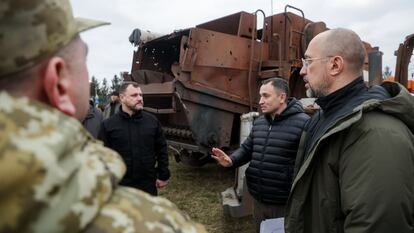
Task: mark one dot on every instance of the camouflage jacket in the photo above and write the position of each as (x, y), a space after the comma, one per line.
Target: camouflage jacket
(55, 177)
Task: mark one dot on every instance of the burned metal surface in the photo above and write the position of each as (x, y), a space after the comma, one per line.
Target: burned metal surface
(199, 81)
(238, 24)
(404, 53)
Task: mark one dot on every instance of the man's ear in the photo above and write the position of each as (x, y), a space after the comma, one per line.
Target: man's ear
(336, 65)
(284, 97)
(121, 98)
(57, 86)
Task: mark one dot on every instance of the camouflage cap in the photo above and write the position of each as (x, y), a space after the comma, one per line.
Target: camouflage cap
(31, 30)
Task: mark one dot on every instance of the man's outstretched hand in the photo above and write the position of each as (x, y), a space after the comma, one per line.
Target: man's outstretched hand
(222, 158)
(160, 183)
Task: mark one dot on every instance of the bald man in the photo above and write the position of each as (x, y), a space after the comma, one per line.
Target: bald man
(354, 171)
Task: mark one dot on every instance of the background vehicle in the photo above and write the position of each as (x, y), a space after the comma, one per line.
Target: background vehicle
(404, 55)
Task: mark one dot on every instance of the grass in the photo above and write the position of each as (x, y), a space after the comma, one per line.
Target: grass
(196, 190)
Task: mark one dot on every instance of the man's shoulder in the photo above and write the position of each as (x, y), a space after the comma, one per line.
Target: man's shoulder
(378, 120)
(260, 119)
(137, 211)
(303, 116)
(300, 119)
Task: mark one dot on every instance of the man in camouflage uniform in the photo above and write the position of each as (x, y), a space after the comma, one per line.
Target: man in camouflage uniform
(54, 176)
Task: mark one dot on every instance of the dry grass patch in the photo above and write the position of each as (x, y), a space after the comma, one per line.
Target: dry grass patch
(197, 192)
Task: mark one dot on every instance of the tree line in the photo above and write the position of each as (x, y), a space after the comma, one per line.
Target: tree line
(101, 91)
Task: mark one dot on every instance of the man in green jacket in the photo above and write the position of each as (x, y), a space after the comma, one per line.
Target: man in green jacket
(55, 177)
(355, 165)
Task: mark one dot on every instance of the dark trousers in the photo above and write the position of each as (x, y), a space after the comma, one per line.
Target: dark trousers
(262, 211)
(147, 186)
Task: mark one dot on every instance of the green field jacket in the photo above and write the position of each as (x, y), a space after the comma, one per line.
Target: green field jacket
(359, 176)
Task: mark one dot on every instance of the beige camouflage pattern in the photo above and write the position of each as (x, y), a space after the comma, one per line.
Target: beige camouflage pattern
(32, 30)
(55, 177)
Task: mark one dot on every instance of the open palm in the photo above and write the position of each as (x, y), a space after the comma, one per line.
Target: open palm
(222, 158)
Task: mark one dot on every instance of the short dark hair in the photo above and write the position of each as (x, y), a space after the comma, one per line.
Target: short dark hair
(116, 93)
(279, 84)
(125, 85)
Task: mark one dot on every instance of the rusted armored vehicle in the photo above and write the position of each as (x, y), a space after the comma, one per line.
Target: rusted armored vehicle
(198, 81)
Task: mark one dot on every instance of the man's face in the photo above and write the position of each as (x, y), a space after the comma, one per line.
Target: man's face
(132, 98)
(114, 98)
(80, 83)
(270, 99)
(315, 73)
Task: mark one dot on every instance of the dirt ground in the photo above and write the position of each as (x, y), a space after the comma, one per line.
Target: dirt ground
(197, 192)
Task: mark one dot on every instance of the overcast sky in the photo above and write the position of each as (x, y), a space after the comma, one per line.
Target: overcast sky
(382, 23)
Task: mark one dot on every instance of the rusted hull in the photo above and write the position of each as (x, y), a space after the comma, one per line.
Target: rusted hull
(196, 82)
(199, 81)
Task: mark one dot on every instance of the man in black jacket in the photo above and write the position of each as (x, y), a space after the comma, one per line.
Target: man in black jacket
(138, 137)
(271, 150)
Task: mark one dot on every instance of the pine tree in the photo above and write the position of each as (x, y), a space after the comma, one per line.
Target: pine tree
(115, 83)
(94, 88)
(103, 92)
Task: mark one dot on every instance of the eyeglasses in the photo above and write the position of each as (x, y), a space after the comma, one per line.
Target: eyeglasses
(307, 61)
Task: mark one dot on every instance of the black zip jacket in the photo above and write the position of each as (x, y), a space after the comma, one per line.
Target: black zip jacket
(271, 150)
(140, 141)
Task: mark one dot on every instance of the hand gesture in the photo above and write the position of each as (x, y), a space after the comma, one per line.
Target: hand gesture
(222, 158)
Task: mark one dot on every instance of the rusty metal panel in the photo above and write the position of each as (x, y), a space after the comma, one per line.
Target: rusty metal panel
(289, 28)
(238, 24)
(311, 30)
(230, 81)
(221, 50)
(159, 54)
(213, 96)
(246, 25)
(188, 54)
(233, 100)
(149, 76)
(212, 99)
(158, 88)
